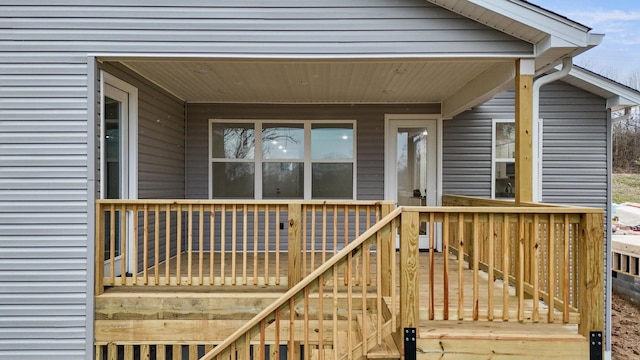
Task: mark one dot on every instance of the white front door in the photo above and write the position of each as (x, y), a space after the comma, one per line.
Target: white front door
(411, 165)
(118, 130)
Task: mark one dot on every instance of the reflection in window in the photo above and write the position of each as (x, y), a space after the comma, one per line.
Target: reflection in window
(283, 180)
(331, 141)
(232, 141)
(332, 181)
(504, 139)
(233, 180)
(280, 141)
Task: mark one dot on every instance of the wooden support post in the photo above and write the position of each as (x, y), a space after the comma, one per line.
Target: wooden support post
(294, 241)
(591, 273)
(409, 287)
(524, 130)
(387, 250)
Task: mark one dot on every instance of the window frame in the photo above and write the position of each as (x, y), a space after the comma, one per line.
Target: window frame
(495, 159)
(258, 158)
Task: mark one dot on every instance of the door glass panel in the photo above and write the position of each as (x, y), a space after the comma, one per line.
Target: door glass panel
(412, 168)
(112, 167)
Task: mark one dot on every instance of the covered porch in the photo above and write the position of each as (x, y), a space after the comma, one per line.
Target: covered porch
(495, 278)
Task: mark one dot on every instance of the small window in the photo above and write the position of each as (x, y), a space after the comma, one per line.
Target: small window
(504, 152)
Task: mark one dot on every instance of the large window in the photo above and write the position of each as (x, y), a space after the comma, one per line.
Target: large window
(282, 159)
(504, 152)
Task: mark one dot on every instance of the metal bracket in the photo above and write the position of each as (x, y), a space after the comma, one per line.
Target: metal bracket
(410, 337)
(595, 345)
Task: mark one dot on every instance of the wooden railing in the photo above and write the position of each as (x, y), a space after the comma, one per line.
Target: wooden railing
(526, 256)
(626, 258)
(307, 318)
(214, 243)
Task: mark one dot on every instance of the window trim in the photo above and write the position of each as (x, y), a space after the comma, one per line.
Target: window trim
(495, 159)
(306, 160)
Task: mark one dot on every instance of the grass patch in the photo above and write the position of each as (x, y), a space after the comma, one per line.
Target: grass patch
(626, 187)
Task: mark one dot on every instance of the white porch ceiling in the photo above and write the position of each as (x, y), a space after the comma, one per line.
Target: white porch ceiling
(307, 81)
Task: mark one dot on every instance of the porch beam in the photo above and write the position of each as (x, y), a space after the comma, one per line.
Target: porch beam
(525, 69)
(492, 81)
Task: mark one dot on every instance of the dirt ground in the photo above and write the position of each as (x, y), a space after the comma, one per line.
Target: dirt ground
(625, 330)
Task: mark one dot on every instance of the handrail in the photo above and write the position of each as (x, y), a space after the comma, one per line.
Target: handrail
(299, 287)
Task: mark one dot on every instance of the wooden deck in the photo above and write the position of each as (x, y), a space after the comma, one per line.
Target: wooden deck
(192, 317)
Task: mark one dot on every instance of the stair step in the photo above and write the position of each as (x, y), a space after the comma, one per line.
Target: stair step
(387, 349)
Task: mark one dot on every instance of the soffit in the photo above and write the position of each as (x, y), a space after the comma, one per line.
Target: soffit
(306, 81)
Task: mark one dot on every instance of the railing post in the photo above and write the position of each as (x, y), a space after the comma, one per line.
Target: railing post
(294, 240)
(591, 273)
(386, 252)
(409, 286)
(99, 251)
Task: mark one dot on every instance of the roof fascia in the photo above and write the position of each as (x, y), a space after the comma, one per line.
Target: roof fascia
(624, 96)
(537, 18)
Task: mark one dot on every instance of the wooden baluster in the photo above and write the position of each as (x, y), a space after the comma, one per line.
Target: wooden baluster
(445, 274)
(363, 287)
(128, 352)
(245, 229)
(278, 209)
(223, 241)
(189, 244)
(293, 240)
(112, 351)
(201, 245)
(476, 265)
(356, 233)
(324, 233)
(460, 266)
(566, 271)
(256, 244)
(134, 255)
(506, 255)
(367, 255)
(99, 253)
(535, 254)
(161, 351)
(261, 349)
(347, 268)
(266, 243)
(321, 312)
(145, 351)
(156, 245)
(212, 242)
(123, 245)
(292, 344)
(276, 352)
(335, 229)
(112, 244)
(306, 323)
(167, 244)
(313, 238)
(432, 261)
(378, 283)
(179, 246)
(521, 267)
(491, 266)
(145, 245)
(304, 241)
(551, 267)
(336, 355)
(349, 284)
(234, 241)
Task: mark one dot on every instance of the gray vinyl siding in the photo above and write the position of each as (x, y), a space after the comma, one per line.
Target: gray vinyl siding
(575, 146)
(466, 147)
(161, 150)
(574, 153)
(44, 182)
(251, 27)
(369, 137)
